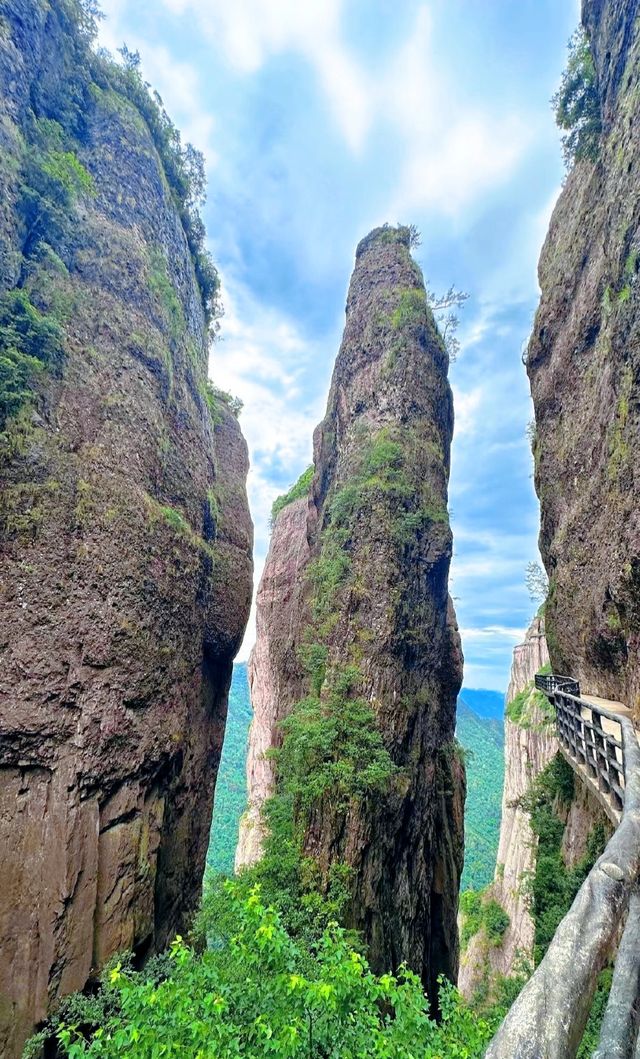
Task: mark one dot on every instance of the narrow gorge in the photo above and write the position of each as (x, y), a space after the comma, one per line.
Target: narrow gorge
(347, 927)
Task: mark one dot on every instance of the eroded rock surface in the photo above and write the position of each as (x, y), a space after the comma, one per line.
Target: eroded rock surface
(530, 744)
(125, 543)
(584, 368)
(275, 679)
(356, 580)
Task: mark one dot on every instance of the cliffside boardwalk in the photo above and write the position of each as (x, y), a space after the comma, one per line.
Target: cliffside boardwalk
(599, 741)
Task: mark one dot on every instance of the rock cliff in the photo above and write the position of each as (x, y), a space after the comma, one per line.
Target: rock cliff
(354, 614)
(584, 365)
(530, 744)
(125, 537)
(275, 677)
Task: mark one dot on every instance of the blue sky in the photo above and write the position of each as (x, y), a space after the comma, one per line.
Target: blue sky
(322, 118)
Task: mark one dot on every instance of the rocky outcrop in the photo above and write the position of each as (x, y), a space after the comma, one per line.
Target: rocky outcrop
(530, 744)
(584, 368)
(275, 678)
(529, 657)
(353, 611)
(125, 538)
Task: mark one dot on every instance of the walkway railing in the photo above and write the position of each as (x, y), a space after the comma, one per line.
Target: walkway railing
(590, 737)
(548, 1018)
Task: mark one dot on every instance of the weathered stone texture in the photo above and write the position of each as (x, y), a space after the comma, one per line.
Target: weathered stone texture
(125, 565)
(529, 747)
(392, 619)
(275, 678)
(584, 367)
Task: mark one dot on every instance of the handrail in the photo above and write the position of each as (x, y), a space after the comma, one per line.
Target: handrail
(551, 682)
(549, 1016)
(590, 748)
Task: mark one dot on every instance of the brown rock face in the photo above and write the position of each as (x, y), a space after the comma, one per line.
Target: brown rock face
(529, 657)
(530, 744)
(275, 679)
(125, 555)
(357, 577)
(584, 367)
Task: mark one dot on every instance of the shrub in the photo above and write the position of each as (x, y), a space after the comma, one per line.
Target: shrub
(577, 103)
(333, 748)
(554, 886)
(53, 182)
(29, 341)
(495, 920)
(480, 912)
(259, 992)
(299, 489)
(163, 290)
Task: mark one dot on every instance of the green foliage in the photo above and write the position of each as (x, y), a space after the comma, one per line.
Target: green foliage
(29, 342)
(53, 182)
(332, 748)
(176, 520)
(495, 921)
(554, 886)
(214, 397)
(64, 106)
(314, 659)
(577, 103)
(521, 708)
(299, 489)
(481, 913)
(258, 993)
(163, 290)
(591, 1035)
(483, 741)
(231, 783)
(411, 311)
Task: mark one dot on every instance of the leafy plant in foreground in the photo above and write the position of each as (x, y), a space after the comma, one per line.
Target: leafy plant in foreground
(257, 994)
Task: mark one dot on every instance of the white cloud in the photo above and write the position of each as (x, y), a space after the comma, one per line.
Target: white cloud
(452, 150)
(249, 32)
(455, 150)
(493, 632)
(467, 407)
(261, 357)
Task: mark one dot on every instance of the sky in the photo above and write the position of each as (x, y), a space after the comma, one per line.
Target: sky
(320, 119)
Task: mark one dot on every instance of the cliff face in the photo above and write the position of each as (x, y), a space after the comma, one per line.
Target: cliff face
(584, 364)
(528, 658)
(354, 612)
(275, 677)
(530, 744)
(125, 538)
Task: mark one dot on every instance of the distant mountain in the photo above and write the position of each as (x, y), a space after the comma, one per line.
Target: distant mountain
(231, 788)
(484, 702)
(483, 741)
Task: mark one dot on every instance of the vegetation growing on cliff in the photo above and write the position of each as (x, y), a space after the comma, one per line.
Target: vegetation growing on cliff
(577, 103)
(53, 180)
(296, 492)
(30, 341)
(554, 886)
(530, 708)
(482, 912)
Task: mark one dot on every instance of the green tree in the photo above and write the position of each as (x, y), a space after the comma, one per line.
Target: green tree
(257, 994)
(577, 103)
